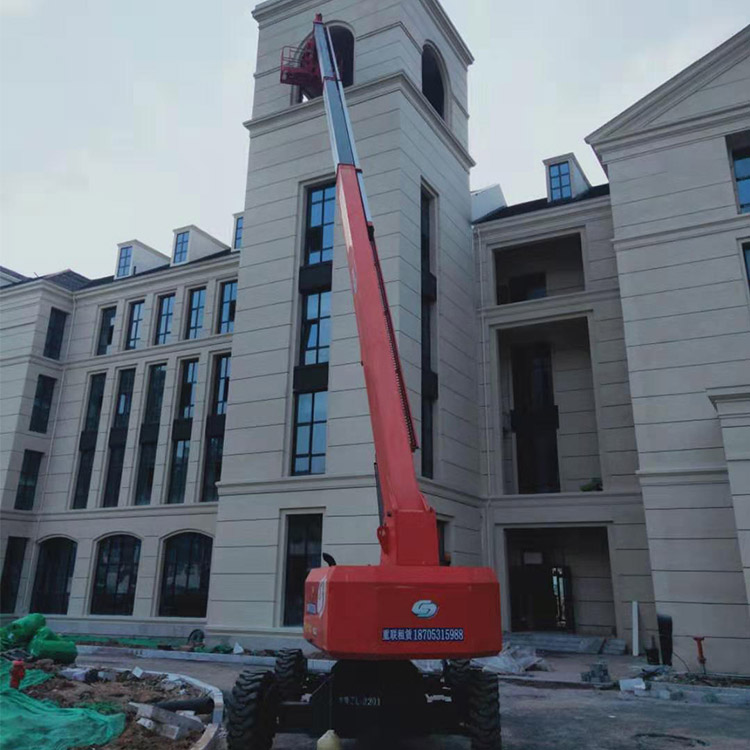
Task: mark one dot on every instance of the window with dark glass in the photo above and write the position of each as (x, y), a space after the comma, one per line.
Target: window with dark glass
(27, 482)
(181, 247)
(106, 330)
(433, 86)
(443, 555)
(115, 575)
(559, 181)
(316, 328)
(164, 320)
(214, 451)
(178, 471)
(227, 306)
(55, 333)
(144, 483)
(188, 382)
(118, 438)
(87, 441)
(303, 550)
(310, 424)
(54, 576)
(124, 260)
(741, 164)
(428, 299)
(238, 225)
(149, 435)
(527, 287)
(15, 550)
(135, 319)
(321, 217)
(746, 253)
(196, 306)
(185, 575)
(40, 411)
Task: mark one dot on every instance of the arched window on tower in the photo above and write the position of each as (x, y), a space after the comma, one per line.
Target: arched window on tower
(343, 45)
(433, 85)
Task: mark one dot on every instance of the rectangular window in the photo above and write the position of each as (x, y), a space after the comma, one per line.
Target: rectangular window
(195, 313)
(135, 319)
(304, 534)
(321, 216)
(238, 232)
(746, 253)
(212, 468)
(316, 328)
(124, 260)
(220, 393)
(164, 320)
(559, 181)
(428, 295)
(106, 330)
(527, 287)
(227, 306)
(144, 482)
(118, 439)
(26, 489)
(40, 411)
(188, 381)
(181, 247)
(310, 423)
(178, 471)
(741, 164)
(55, 333)
(15, 551)
(87, 441)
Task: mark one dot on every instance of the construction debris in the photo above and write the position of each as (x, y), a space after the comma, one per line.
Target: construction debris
(598, 674)
(632, 685)
(513, 660)
(169, 724)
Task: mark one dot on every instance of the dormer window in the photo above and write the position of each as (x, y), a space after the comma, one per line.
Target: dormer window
(124, 261)
(559, 181)
(181, 247)
(238, 225)
(433, 85)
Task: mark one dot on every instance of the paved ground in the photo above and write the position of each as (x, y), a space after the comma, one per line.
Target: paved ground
(547, 718)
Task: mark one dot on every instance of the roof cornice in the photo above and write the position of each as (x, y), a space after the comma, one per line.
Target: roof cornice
(442, 19)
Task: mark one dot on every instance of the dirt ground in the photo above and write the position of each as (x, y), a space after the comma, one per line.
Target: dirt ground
(117, 695)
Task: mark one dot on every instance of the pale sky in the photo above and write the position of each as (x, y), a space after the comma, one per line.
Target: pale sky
(122, 120)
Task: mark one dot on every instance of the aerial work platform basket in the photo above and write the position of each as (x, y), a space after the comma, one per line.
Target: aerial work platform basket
(300, 67)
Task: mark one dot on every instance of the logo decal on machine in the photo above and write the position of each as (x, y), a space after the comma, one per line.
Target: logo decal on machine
(424, 609)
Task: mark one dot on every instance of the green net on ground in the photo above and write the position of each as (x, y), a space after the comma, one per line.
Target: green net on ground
(31, 678)
(29, 724)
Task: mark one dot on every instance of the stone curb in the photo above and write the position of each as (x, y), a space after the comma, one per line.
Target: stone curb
(674, 691)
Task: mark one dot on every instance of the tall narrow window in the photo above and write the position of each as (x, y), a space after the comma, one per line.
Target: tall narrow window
(164, 320)
(124, 260)
(15, 551)
(118, 438)
(238, 225)
(741, 163)
(559, 181)
(54, 576)
(181, 247)
(303, 547)
(135, 319)
(106, 330)
(227, 306)
(197, 305)
(185, 576)
(215, 428)
(429, 296)
(181, 431)
(316, 328)
(149, 436)
(433, 86)
(321, 216)
(87, 442)
(311, 416)
(188, 382)
(55, 333)
(178, 472)
(746, 253)
(116, 575)
(26, 490)
(40, 411)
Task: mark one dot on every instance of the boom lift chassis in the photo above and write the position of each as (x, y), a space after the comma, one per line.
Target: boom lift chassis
(376, 619)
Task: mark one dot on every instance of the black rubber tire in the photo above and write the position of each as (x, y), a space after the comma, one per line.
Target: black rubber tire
(291, 670)
(483, 711)
(251, 712)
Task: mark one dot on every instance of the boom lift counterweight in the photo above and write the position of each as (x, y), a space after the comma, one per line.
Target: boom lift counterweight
(375, 619)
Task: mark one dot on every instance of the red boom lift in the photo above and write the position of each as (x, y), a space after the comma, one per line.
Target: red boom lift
(376, 619)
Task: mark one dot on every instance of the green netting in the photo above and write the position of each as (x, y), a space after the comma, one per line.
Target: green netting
(31, 678)
(117, 641)
(29, 724)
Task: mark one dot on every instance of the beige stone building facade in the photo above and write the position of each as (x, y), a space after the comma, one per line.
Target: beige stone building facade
(181, 441)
